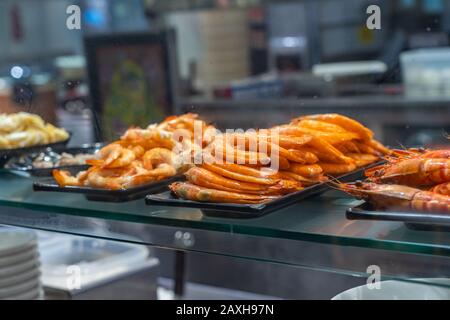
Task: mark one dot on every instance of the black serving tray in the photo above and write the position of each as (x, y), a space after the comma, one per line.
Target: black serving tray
(412, 220)
(23, 164)
(233, 210)
(6, 154)
(97, 194)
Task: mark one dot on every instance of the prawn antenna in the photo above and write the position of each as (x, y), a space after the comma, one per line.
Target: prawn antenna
(445, 134)
(333, 182)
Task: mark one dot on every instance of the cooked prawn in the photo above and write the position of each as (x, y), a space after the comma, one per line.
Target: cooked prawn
(342, 121)
(443, 188)
(303, 180)
(157, 156)
(308, 171)
(149, 138)
(108, 178)
(197, 175)
(391, 196)
(65, 178)
(415, 172)
(113, 156)
(348, 147)
(265, 173)
(319, 125)
(337, 168)
(327, 153)
(192, 192)
(237, 176)
(363, 159)
(364, 148)
(330, 137)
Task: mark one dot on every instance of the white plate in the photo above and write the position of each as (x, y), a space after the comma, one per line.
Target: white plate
(18, 289)
(15, 241)
(9, 271)
(400, 290)
(18, 258)
(33, 273)
(33, 294)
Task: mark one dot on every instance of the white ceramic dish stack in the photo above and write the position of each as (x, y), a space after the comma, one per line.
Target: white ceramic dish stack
(19, 266)
(421, 289)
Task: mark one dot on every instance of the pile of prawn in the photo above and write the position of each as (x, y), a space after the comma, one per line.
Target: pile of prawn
(140, 156)
(305, 151)
(414, 179)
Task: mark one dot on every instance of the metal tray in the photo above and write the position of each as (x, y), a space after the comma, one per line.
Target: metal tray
(23, 164)
(96, 194)
(233, 210)
(413, 220)
(6, 154)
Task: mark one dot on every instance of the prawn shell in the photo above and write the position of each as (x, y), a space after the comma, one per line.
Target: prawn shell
(337, 168)
(192, 192)
(238, 176)
(308, 171)
(342, 121)
(363, 159)
(200, 174)
(443, 188)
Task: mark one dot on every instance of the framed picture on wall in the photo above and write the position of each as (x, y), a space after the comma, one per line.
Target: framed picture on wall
(131, 80)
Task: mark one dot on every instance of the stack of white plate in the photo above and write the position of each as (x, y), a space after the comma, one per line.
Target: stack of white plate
(19, 265)
(412, 289)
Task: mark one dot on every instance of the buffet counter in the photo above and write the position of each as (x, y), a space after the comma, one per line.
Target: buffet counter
(318, 227)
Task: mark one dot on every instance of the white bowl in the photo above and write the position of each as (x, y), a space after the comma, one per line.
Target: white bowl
(400, 290)
(16, 241)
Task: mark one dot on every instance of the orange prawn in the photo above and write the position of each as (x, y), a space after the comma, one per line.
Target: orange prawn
(197, 175)
(192, 192)
(391, 196)
(342, 121)
(413, 172)
(237, 176)
(443, 188)
(308, 171)
(336, 168)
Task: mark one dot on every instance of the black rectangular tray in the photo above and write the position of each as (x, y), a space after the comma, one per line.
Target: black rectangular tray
(6, 154)
(412, 220)
(97, 194)
(14, 164)
(233, 210)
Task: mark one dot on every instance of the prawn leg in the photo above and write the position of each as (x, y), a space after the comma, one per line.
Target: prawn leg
(443, 188)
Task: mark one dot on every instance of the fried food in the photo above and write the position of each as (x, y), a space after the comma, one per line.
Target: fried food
(23, 129)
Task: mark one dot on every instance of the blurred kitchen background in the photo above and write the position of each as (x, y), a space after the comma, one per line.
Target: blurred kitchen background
(240, 64)
(266, 60)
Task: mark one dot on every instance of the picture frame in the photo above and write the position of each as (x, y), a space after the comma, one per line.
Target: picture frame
(149, 79)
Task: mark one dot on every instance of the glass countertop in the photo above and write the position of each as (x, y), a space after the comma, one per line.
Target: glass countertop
(320, 219)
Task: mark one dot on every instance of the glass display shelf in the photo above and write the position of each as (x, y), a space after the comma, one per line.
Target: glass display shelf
(313, 233)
